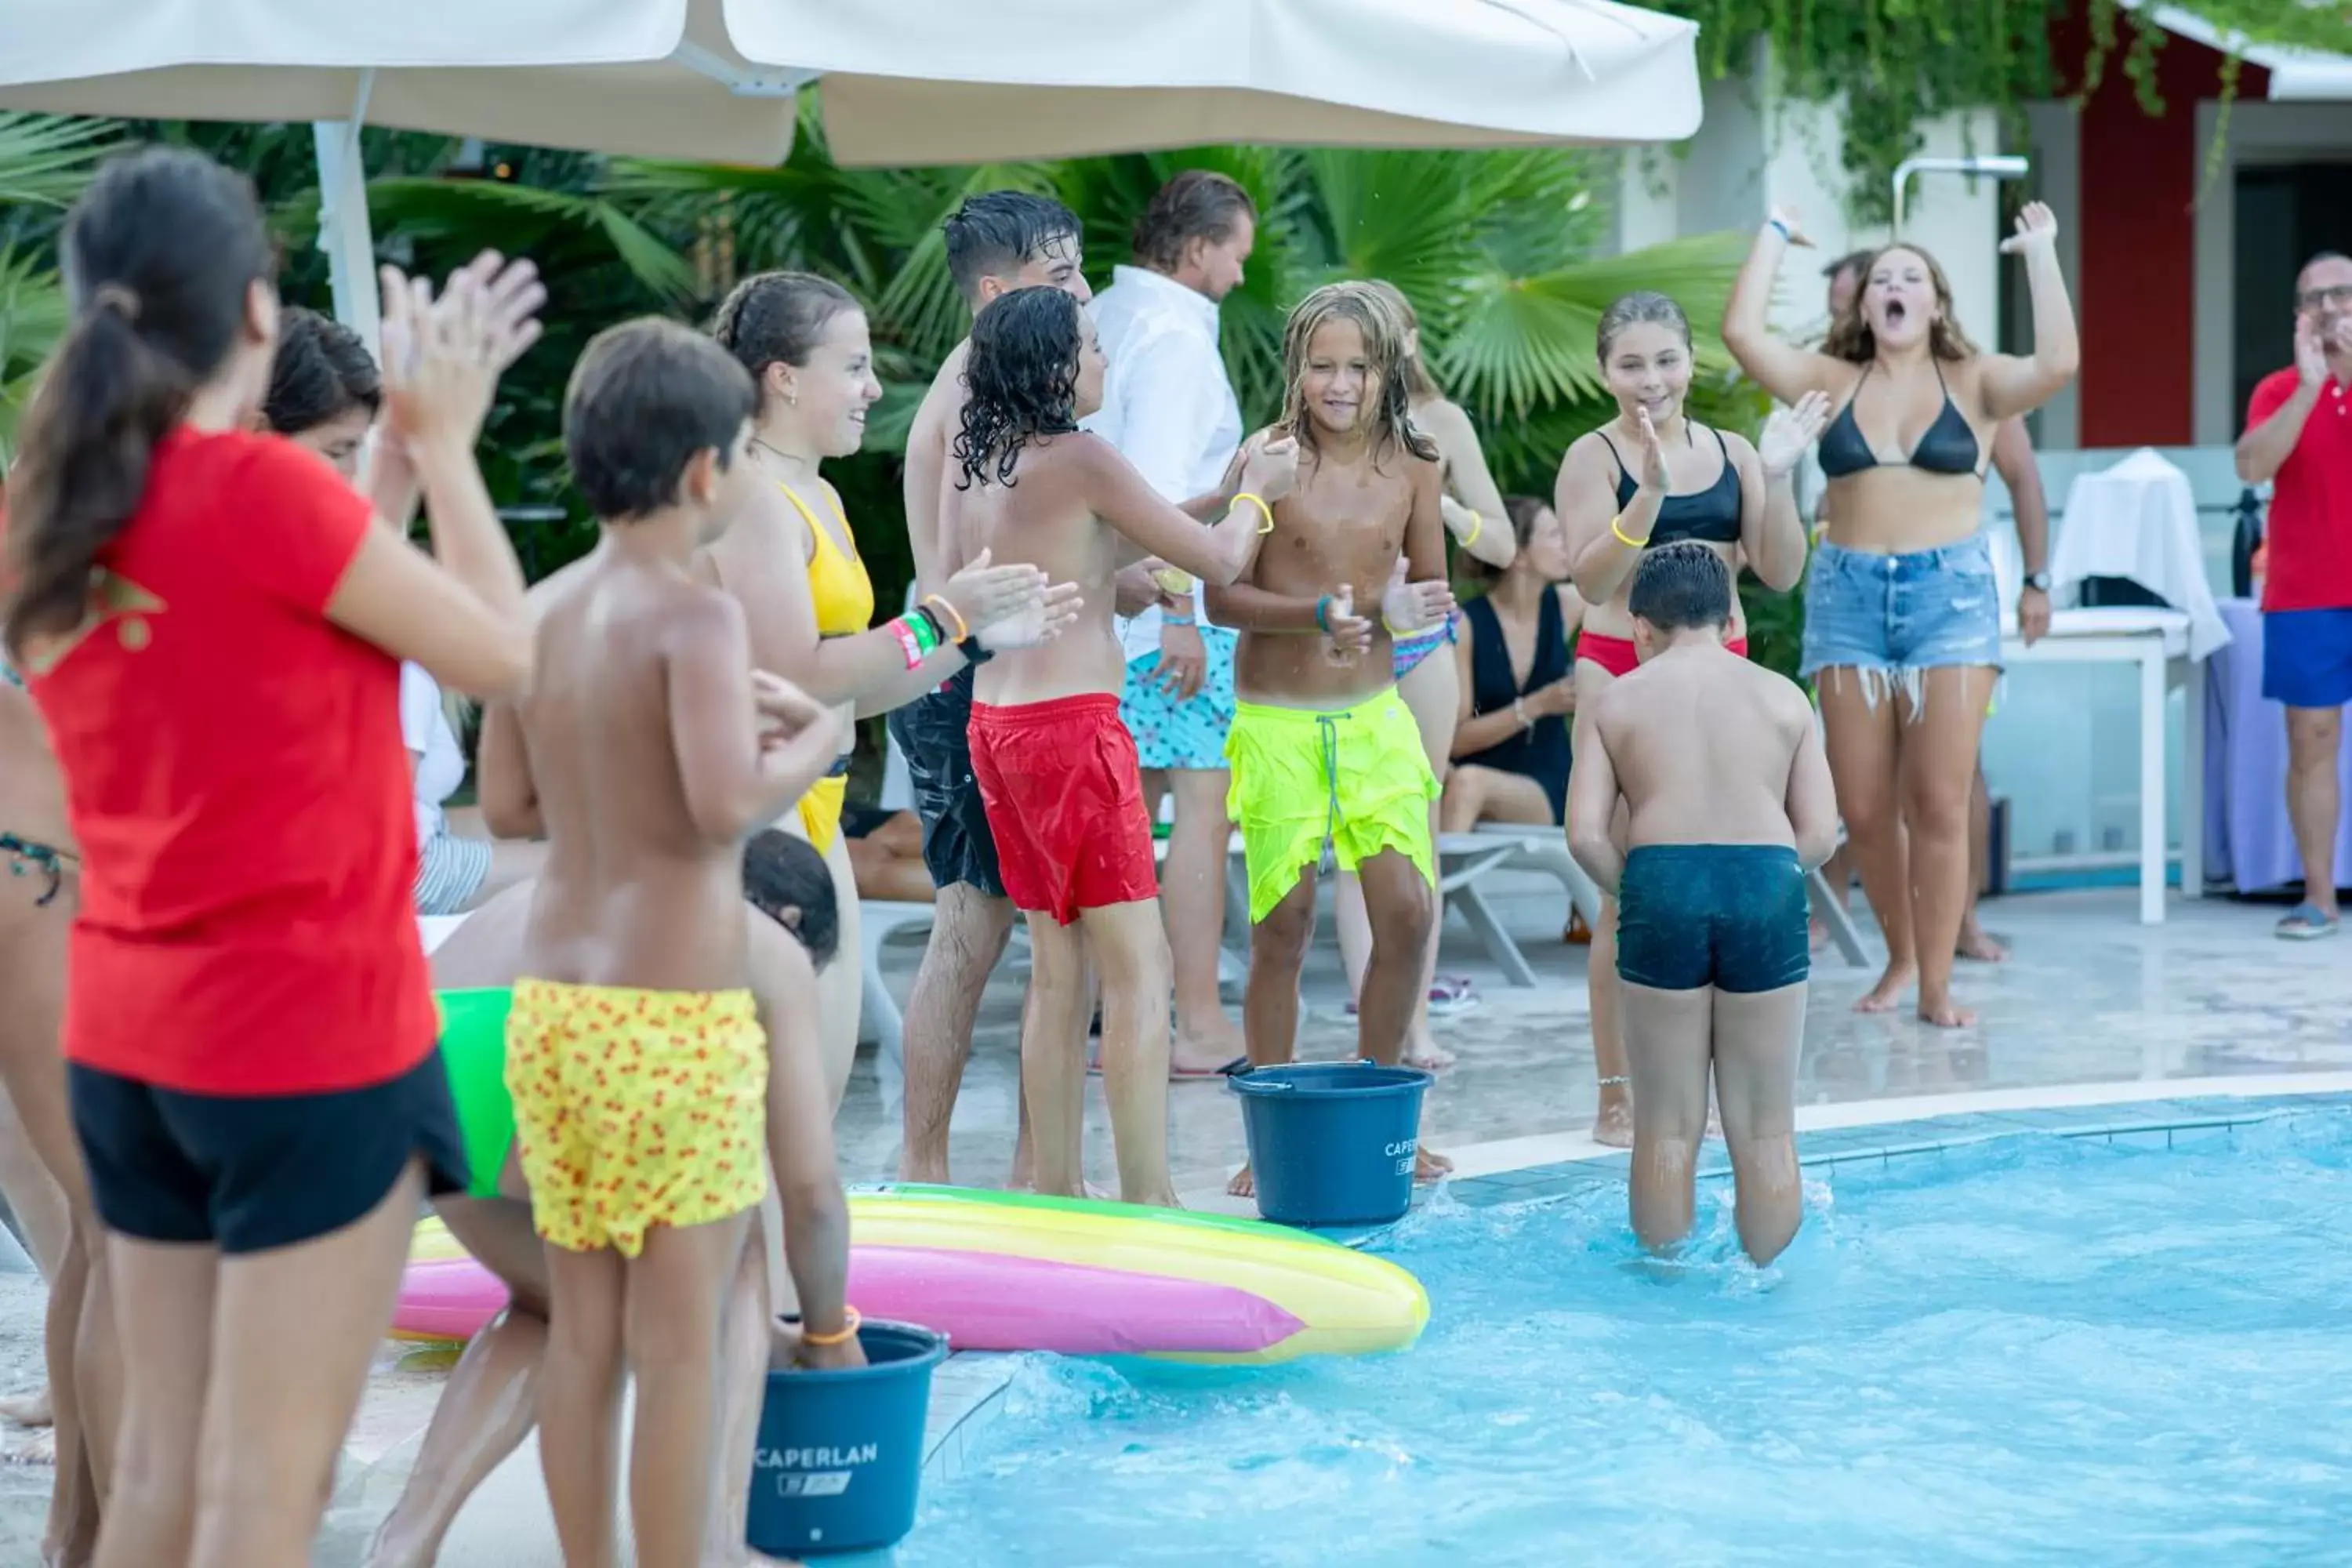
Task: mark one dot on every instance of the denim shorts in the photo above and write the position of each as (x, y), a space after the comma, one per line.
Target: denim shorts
(1924, 609)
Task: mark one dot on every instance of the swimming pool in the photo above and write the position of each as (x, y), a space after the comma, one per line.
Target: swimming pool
(2030, 1349)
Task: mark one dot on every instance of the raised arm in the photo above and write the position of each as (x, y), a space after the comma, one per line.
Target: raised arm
(1474, 514)
(1217, 554)
(2275, 416)
(2009, 386)
(1772, 535)
(1782, 369)
(1812, 798)
(1592, 809)
(1604, 545)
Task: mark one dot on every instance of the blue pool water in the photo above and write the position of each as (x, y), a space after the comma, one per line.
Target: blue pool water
(2029, 1350)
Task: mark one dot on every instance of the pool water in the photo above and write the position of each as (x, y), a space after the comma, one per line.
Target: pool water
(2026, 1351)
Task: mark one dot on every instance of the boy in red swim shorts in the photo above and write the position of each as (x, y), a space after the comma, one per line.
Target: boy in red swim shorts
(1057, 768)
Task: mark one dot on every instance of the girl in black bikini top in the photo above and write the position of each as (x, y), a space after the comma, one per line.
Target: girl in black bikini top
(1711, 514)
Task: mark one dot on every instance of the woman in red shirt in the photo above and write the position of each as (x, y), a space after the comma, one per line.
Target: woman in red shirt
(210, 622)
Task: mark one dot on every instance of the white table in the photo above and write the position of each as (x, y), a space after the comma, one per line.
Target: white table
(2157, 642)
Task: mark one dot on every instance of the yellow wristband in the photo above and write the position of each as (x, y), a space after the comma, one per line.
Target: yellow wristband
(840, 1336)
(1263, 510)
(963, 630)
(1477, 526)
(1625, 538)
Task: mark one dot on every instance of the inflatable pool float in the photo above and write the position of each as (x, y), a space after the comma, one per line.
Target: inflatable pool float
(1007, 1271)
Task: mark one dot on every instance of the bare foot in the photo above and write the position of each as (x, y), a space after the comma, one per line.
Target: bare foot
(1887, 994)
(1944, 1012)
(1430, 1166)
(1976, 943)
(31, 1447)
(27, 1409)
(1243, 1184)
(1614, 1124)
(1429, 1056)
(1200, 1053)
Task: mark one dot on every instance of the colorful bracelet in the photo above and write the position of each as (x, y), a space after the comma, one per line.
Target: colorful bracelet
(1477, 526)
(840, 1336)
(1625, 538)
(1263, 510)
(1170, 618)
(909, 643)
(962, 627)
(1323, 614)
(1783, 229)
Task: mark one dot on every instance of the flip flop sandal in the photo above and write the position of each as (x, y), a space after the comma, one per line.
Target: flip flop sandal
(2306, 922)
(1177, 1074)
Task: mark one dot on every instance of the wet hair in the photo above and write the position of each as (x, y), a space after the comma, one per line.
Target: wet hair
(1522, 510)
(1644, 306)
(782, 872)
(996, 234)
(1023, 379)
(159, 257)
(1852, 340)
(775, 317)
(1680, 586)
(1417, 379)
(1383, 331)
(1199, 203)
(321, 371)
(646, 396)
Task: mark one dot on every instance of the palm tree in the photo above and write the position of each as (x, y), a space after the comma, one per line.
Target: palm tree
(45, 163)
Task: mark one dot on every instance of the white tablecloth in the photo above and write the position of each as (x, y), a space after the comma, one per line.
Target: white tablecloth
(2138, 520)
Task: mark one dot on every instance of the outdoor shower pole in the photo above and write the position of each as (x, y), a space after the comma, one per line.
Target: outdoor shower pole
(2001, 166)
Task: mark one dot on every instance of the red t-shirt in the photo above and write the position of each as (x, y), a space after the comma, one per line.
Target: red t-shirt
(2308, 537)
(235, 778)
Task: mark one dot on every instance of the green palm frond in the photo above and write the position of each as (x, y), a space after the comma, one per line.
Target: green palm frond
(45, 160)
(1524, 342)
(33, 317)
(527, 220)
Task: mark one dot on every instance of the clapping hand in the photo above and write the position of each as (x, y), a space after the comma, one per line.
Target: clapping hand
(1791, 431)
(442, 357)
(1655, 478)
(1053, 613)
(1346, 634)
(1410, 607)
(983, 594)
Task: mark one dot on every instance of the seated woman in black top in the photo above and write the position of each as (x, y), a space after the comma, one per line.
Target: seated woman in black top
(1510, 746)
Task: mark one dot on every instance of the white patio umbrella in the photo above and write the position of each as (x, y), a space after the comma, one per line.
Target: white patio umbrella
(927, 81)
(653, 78)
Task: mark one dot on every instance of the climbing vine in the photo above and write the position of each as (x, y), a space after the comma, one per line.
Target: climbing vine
(1900, 64)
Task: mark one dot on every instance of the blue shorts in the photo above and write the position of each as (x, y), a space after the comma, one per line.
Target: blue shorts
(1190, 734)
(1899, 614)
(2307, 657)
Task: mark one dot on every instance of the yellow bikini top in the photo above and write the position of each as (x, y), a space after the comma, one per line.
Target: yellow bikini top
(838, 586)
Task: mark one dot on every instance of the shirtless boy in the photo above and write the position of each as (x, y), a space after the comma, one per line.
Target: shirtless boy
(996, 242)
(634, 1052)
(1324, 751)
(1726, 789)
(1056, 767)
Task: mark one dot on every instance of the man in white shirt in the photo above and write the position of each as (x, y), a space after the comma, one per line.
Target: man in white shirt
(1169, 408)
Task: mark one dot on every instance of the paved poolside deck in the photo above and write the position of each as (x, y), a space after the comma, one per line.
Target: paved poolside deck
(2192, 1023)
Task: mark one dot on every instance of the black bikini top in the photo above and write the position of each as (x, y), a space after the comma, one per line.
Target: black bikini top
(1711, 514)
(1949, 446)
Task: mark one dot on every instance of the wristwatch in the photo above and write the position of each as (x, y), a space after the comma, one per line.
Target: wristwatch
(973, 654)
(2038, 580)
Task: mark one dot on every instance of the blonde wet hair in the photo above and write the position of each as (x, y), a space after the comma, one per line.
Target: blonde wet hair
(1383, 328)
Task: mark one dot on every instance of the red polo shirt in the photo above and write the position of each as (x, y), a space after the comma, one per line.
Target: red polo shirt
(236, 777)
(2308, 537)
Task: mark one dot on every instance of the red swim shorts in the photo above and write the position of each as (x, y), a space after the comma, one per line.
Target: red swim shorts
(1616, 655)
(1064, 799)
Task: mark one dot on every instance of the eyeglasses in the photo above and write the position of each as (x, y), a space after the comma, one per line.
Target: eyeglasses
(2335, 296)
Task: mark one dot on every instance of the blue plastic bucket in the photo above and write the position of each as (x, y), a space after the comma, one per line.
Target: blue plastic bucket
(840, 1457)
(1332, 1143)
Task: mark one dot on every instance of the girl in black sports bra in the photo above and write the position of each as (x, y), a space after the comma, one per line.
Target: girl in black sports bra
(1902, 615)
(1646, 479)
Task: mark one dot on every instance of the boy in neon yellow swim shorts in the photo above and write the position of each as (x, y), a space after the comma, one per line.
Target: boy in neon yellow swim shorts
(647, 750)
(1324, 755)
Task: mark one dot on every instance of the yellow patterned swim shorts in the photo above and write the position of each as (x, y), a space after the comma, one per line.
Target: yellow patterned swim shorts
(634, 1108)
(1356, 778)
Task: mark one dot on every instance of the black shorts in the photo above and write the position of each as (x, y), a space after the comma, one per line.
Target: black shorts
(1727, 915)
(249, 1173)
(933, 732)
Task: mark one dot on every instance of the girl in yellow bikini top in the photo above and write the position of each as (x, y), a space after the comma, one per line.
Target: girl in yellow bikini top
(843, 597)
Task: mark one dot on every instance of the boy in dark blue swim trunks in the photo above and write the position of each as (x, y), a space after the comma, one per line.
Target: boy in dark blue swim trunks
(1727, 804)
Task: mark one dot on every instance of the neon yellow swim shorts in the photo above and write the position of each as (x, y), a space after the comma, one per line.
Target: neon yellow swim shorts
(634, 1108)
(1356, 779)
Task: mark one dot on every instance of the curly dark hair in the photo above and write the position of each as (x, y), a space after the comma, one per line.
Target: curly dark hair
(1022, 378)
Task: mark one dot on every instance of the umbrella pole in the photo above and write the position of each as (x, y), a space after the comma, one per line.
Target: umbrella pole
(345, 231)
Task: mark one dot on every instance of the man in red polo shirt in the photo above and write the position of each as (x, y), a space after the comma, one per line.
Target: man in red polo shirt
(2299, 435)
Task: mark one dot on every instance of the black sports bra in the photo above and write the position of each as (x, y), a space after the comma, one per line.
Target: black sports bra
(1949, 446)
(1711, 514)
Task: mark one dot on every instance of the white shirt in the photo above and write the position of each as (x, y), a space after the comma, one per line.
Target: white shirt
(1168, 404)
(425, 728)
